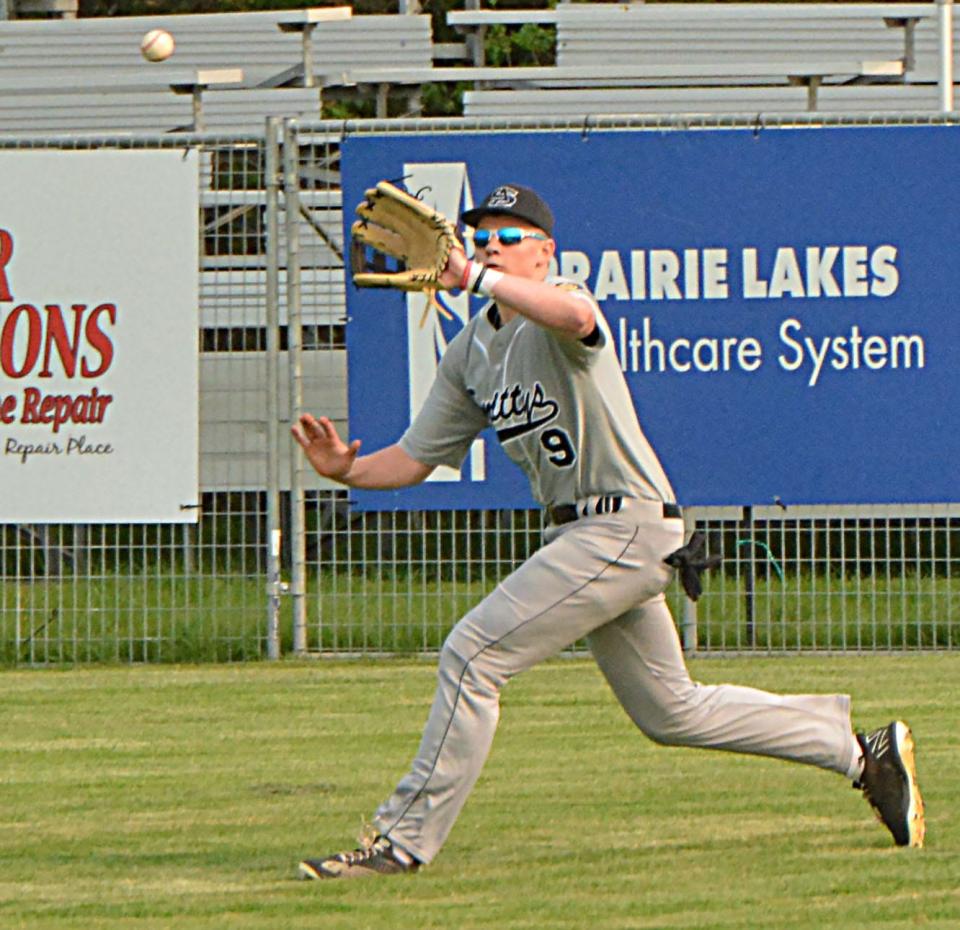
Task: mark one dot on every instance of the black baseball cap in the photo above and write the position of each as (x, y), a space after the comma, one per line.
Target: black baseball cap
(513, 200)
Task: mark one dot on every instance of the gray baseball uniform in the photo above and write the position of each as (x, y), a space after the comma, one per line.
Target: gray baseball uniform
(562, 411)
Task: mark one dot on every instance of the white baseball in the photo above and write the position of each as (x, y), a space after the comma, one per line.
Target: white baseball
(157, 45)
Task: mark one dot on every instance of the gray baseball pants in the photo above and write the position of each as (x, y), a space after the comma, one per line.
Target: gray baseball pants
(600, 577)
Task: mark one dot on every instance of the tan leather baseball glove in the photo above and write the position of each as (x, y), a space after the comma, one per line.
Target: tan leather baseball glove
(394, 223)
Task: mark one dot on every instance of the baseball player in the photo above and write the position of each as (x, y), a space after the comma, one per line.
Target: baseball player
(537, 363)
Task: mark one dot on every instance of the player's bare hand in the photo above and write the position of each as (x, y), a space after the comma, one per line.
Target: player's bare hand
(324, 448)
(453, 274)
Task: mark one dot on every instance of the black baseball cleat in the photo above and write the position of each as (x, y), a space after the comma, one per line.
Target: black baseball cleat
(889, 782)
(381, 857)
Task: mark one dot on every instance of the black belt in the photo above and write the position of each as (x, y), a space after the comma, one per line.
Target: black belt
(567, 513)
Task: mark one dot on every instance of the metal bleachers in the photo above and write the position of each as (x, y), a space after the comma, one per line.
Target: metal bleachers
(697, 44)
(107, 110)
(233, 412)
(712, 33)
(88, 74)
(620, 101)
(232, 307)
(715, 40)
(704, 34)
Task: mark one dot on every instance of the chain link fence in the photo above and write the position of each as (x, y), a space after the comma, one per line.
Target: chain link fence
(279, 562)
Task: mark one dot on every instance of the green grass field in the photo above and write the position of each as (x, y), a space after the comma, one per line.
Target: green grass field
(162, 797)
(144, 618)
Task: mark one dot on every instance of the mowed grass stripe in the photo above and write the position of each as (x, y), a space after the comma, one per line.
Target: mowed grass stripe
(184, 796)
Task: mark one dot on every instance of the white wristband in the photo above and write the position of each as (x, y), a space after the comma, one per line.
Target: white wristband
(485, 281)
(472, 273)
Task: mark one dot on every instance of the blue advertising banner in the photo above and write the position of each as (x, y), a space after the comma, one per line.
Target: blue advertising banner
(783, 304)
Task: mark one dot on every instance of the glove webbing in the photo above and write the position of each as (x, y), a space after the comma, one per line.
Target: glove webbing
(689, 563)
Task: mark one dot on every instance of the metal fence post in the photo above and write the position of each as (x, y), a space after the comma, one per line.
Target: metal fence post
(945, 17)
(750, 574)
(298, 549)
(272, 186)
(688, 621)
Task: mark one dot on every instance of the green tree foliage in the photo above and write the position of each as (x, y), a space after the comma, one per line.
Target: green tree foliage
(529, 44)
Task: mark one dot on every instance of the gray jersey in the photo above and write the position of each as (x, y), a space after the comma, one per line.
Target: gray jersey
(560, 408)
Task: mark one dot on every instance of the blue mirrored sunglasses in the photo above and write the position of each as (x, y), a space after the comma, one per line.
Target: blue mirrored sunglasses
(509, 235)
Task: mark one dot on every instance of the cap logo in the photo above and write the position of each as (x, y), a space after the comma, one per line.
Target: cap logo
(503, 198)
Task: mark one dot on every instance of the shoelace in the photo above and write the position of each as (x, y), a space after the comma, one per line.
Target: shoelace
(870, 799)
(359, 856)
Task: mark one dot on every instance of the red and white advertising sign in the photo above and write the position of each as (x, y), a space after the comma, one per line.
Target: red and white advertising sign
(98, 337)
